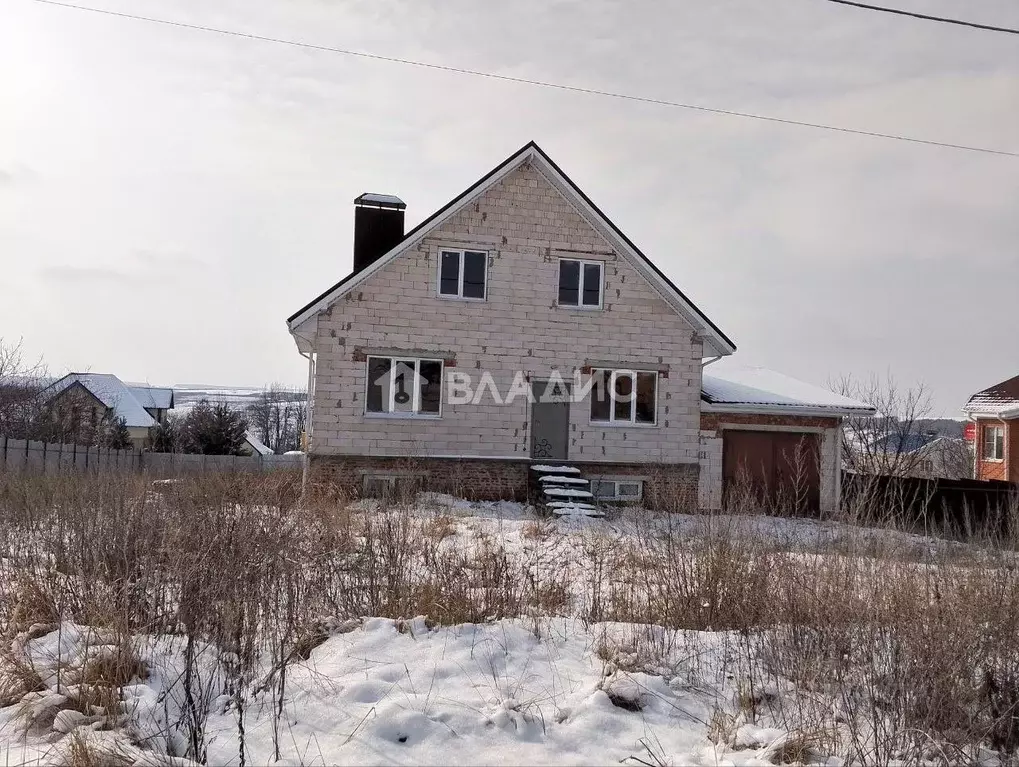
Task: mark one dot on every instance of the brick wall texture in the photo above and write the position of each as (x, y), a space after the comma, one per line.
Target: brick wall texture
(525, 225)
(666, 487)
(991, 469)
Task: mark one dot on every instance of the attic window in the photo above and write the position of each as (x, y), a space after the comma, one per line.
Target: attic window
(463, 274)
(580, 283)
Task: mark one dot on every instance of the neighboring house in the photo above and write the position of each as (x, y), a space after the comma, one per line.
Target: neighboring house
(86, 398)
(927, 455)
(995, 411)
(254, 445)
(516, 324)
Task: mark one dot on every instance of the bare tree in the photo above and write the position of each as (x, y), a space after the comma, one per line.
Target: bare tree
(21, 380)
(884, 443)
(277, 417)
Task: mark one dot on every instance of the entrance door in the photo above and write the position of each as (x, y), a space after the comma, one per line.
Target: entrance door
(550, 420)
(778, 470)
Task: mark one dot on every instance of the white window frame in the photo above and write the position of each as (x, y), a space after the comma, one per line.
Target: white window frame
(996, 428)
(416, 394)
(580, 284)
(616, 482)
(632, 421)
(460, 283)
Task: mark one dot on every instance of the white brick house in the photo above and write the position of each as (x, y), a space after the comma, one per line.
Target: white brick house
(520, 279)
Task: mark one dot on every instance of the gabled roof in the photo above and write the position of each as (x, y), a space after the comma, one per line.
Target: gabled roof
(152, 397)
(1001, 400)
(756, 389)
(716, 342)
(257, 446)
(910, 442)
(122, 399)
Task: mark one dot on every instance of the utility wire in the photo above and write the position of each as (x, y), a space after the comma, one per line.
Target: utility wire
(540, 83)
(926, 17)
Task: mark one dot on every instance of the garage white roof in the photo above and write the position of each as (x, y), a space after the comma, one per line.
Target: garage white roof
(756, 389)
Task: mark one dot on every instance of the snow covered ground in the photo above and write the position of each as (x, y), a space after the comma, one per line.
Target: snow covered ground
(387, 692)
(527, 690)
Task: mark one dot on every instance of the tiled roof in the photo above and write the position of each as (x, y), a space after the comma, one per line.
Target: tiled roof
(995, 400)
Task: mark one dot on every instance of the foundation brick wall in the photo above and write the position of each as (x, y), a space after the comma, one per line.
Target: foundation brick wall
(666, 487)
(476, 479)
(525, 225)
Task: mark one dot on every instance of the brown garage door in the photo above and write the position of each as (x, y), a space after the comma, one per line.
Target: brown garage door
(778, 470)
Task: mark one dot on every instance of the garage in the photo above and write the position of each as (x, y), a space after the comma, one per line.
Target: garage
(777, 470)
(770, 442)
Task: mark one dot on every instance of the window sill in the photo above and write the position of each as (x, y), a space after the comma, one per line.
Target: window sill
(992, 460)
(623, 425)
(572, 308)
(445, 297)
(403, 416)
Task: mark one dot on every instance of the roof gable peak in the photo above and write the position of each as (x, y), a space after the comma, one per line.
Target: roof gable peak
(715, 342)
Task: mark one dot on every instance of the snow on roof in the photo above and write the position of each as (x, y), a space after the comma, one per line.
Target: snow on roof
(995, 400)
(109, 390)
(911, 442)
(727, 384)
(256, 444)
(156, 397)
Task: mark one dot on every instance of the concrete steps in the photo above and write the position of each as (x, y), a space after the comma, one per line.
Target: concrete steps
(562, 492)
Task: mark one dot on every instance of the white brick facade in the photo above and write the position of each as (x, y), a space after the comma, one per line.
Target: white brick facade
(525, 225)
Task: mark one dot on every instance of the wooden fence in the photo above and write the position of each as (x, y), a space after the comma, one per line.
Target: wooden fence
(959, 505)
(30, 456)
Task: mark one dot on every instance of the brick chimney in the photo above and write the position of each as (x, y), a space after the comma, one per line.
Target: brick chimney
(378, 227)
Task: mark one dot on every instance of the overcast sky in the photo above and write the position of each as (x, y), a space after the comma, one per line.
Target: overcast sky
(169, 196)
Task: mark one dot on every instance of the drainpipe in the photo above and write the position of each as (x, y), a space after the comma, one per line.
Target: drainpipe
(310, 357)
(308, 403)
(713, 359)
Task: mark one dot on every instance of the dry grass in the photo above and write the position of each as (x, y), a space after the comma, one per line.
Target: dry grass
(80, 752)
(17, 678)
(439, 528)
(114, 667)
(33, 603)
(899, 639)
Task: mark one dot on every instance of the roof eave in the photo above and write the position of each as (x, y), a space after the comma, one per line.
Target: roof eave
(787, 410)
(976, 412)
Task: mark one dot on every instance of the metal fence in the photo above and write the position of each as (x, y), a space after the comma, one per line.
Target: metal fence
(30, 456)
(962, 505)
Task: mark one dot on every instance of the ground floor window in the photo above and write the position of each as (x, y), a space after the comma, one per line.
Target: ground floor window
(391, 487)
(624, 396)
(617, 489)
(404, 385)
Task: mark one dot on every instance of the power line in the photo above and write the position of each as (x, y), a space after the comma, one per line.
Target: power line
(540, 83)
(926, 17)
